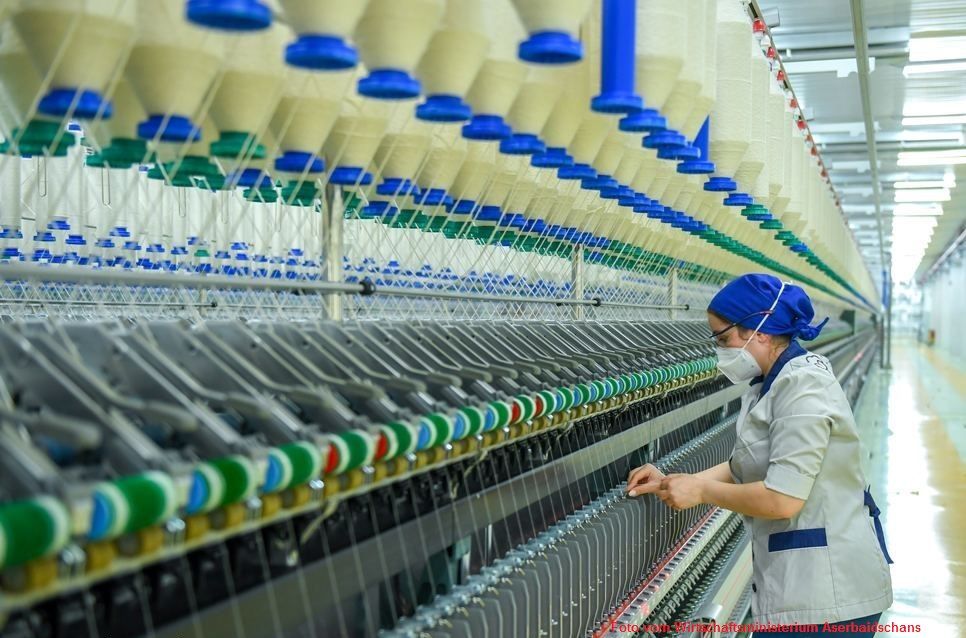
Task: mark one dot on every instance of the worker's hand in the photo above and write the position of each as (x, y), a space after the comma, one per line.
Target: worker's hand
(644, 480)
(680, 491)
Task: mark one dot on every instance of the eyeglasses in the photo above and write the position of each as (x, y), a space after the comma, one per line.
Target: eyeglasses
(714, 335)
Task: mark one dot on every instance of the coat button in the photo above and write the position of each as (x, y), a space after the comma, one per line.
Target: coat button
(754, 588)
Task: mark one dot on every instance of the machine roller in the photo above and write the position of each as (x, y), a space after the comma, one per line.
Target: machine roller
(350, 318)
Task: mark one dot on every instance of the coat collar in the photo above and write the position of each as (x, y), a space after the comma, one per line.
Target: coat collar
(793, 350)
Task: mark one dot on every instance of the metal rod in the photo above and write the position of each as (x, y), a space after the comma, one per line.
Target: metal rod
(644, 306)
(862, 61)
(577, 280)
(332, 213)
(673, 290)
(558, 301)
(72, 274)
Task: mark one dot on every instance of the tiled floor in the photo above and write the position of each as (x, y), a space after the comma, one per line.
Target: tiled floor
(912, 421)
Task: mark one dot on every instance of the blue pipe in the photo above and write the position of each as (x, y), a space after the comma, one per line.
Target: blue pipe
(617, 59)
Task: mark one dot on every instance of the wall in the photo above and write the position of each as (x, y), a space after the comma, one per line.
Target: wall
(944, 305)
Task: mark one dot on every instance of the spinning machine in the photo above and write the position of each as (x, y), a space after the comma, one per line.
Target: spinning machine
(329, 318)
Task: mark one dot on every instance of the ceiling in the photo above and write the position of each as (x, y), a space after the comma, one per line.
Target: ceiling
(817, 45)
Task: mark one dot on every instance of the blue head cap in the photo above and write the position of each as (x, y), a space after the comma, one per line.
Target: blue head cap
(745, 300)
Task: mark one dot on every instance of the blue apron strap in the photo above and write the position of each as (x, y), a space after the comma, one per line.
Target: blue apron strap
(874, 513)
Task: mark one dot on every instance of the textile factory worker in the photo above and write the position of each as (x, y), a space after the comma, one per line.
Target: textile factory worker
(818, 551)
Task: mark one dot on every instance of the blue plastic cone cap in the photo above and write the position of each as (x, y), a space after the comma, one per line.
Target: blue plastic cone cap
(488, 214)
(643, 121)
(552, 157)
(350, 176)
(699, 163)
(80, 103)
(389, 84)
(298, 162)
(169, 128)
(522, 144)
(551, 47)
(378, 209)
(463, 206)
(696, 167)
(229, 15)
(512, 220)
(665, 138)
(738, 199)
(444, 108)
(617, 102)
(249, 178)
(433, 197)
(684, 152)
(486, 128)
(720, 185)
(626, 196)
(601, 183)
(577, 171)
(320, 52)
(397, 186)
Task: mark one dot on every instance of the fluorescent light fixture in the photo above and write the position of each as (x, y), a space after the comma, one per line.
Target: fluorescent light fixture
(949, 181)
(862, 166)
(920, 108)
(934, 120)
(917, 210)
(860, 191)
(922, 195)
(934, 67)
(842, 67)
(937, 46)
(931, 136)
(866, 209)
(852, 128)
(932, 158)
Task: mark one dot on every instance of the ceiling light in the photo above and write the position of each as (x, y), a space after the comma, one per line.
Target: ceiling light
(948, 182)
(922, 195)
(917, 210)
(933, 108)
(935, 67)
(934, 120)
(931, 136)
(932, 158)
(862, 166)
(852, 128)
(938, 45)
(866, 209)
(861, 191)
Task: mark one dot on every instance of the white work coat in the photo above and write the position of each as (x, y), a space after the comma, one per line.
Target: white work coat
(796, 432)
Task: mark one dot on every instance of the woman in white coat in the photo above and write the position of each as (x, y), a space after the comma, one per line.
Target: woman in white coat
(818, 553)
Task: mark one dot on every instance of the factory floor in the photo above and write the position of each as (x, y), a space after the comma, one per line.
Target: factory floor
(912, 421)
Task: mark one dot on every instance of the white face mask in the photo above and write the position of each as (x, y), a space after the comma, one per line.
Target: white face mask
(737, 364)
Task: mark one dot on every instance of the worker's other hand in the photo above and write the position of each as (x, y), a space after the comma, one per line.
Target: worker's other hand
(644, 480)
(680, 491)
